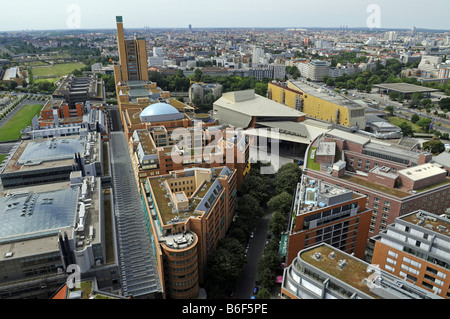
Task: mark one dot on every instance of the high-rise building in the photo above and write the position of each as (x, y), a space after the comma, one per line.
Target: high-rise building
(415, 247)
(132, 57)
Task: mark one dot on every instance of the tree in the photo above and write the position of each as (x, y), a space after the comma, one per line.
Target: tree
(361, 87)
(369, 88)
(394, 95)
(424, 123)
(224, 267)
(197, 76)
(287, 178)
(263, 293)
(281, 203)
(407, 129)
(258, 187)
(277, 224)
(415, 118)
(434, 146)
(390, 109)
(444, 103)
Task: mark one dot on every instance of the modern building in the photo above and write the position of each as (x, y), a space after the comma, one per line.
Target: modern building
(280, 93)
(187, 212)
(132, 57)
(314, 70)
(415, 248)
(326, 213)
(324, 272)
(324, 104)
(404, 88)
(46, 229)
(53, 160)
(395, 179)
(77, 90)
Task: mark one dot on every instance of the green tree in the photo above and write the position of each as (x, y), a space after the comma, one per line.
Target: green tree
(415, 118)
(263, 293)
(277, 224)
(444, 103)
(434, 146)
(424, 123)
(406, 128)
(281, 203)
(390, 109)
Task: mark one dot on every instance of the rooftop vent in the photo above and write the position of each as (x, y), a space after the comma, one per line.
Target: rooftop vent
(342, 263)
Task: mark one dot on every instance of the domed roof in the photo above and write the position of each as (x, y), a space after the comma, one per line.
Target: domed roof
(159, 109)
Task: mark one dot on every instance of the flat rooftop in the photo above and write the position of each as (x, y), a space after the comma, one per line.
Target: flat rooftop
(404, 88)
(420, 172)
(360, 275)
(353, 273)
(203, 194)
(27, 215)
(31, 217)
(252, 104)
(326, 94)
(429, 221)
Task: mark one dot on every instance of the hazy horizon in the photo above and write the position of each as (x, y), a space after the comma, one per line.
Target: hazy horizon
(46, 15)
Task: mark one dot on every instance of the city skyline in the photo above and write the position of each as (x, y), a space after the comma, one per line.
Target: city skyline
(82, 14)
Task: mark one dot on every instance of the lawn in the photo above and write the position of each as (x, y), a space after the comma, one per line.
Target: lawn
(395, 120)
(57, 70)
(311, 164)
(11, 130)
(2, 158)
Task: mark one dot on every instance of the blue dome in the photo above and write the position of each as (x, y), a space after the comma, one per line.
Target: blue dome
(159, 109)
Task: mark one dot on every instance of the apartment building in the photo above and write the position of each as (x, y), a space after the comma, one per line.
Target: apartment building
(416, 248)
(325, 213)
(324, 272)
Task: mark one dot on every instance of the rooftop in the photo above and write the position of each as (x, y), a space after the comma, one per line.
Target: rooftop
(365, 278)
(326, 94)
(430, 221)
(404, 88)
(186, 193)
(249, 103)
(420, 172)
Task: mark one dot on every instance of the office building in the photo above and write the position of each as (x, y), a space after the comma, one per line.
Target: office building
(395, 179)
(314, 70)
(132, 57)
(324, 272)
(75, 90)
(46, 228)
(326, 213)
(187, 212)
(52, 160)
(415, 248)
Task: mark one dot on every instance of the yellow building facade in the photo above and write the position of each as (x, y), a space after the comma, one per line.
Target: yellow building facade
(333, 109)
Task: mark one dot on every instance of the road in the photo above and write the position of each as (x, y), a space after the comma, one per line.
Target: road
(399, 107)
(244, 290)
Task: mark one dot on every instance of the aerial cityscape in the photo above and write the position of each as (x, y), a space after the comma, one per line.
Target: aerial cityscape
(296, 155)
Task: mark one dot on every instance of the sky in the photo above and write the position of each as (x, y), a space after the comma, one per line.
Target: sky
(92, 14)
